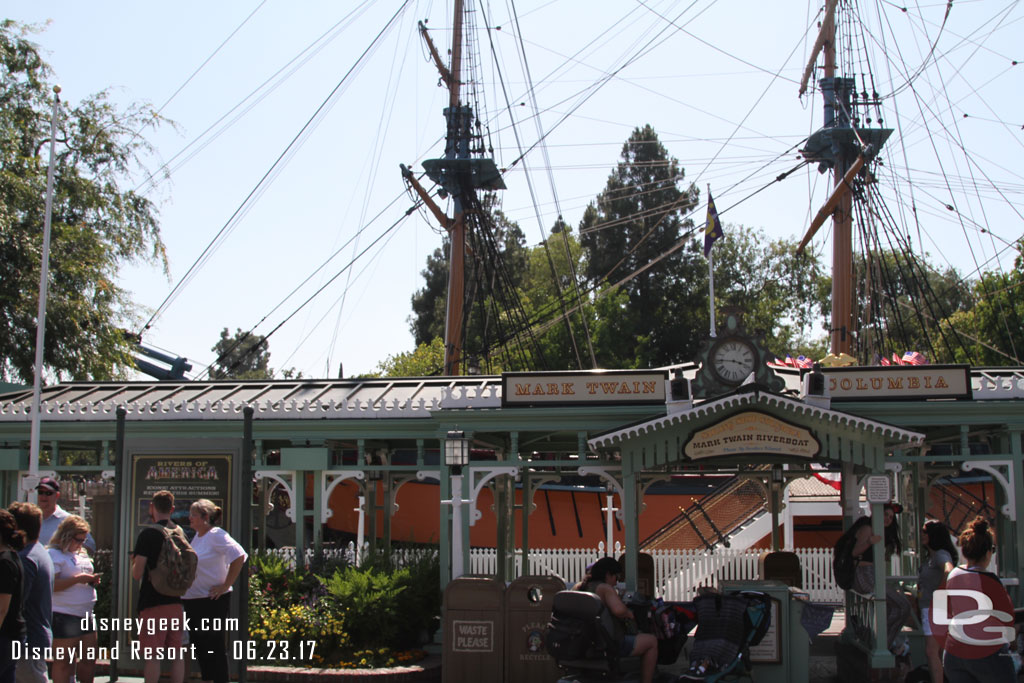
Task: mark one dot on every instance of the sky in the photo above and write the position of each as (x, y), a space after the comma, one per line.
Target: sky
(308, 108)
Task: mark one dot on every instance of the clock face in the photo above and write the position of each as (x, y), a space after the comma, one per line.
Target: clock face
(732, 360)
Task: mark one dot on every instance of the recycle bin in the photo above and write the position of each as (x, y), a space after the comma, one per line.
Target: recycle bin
(474, 629)
(783, 655)
(528, 604)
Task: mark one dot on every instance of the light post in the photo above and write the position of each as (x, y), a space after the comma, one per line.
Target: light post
(456, 456)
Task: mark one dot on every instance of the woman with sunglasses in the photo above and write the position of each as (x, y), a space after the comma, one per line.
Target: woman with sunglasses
(74, 596)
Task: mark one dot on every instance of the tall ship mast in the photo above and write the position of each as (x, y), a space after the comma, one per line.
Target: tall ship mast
(847, 148)
(462, 171)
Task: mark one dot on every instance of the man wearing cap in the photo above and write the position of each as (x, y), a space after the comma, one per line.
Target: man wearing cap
(48, 492)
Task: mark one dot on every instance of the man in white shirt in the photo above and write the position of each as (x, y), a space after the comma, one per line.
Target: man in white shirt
(48, 492)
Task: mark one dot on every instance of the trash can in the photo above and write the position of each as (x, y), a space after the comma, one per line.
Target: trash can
(781, 565)
(645, 573)
(474, 630)
(528, 604)
(783, 654)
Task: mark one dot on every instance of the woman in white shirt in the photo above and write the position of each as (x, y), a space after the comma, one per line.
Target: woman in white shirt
(74, 596)
(207, 600)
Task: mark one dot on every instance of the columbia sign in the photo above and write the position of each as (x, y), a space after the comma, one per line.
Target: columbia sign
(973, 615)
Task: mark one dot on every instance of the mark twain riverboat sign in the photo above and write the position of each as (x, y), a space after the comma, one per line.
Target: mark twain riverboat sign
(751, 433)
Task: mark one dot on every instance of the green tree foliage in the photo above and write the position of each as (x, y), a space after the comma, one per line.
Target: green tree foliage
(631, 234)
(426, 361)
(495, 261)
(903, 300)
(784, 296)
(993, 329)
(98, 225)
(241, 356)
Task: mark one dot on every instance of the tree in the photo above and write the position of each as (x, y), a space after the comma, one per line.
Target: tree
(98, 225)
(993, 329)
(426, 361)
(903, 301)
(632, 235)
(784, 295)
(496, 257)
(242, 356)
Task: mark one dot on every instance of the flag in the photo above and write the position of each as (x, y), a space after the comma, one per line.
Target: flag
(914, 358)
(803, 361)
(713, 228)
(896, 360)
(885, 361)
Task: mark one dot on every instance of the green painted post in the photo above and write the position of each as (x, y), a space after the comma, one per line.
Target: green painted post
(630, 517)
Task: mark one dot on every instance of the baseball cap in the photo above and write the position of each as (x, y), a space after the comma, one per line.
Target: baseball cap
(49, 484)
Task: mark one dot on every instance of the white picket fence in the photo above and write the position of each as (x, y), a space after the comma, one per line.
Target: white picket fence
(677, 573)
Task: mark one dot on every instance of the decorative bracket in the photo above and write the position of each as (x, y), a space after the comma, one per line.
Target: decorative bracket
(289, 488)
(1010, 507)
(645, 483)
(328, 481)
(606, 474)
(487, 473)
(530, 488)
(399, 482)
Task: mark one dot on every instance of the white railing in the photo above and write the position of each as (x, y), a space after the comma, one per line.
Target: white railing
(677, 573)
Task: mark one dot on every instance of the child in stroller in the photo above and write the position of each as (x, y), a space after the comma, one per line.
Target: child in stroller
(728, 624)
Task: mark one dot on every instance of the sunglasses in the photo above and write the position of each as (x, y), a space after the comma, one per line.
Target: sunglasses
(42, 492)
(80, 539)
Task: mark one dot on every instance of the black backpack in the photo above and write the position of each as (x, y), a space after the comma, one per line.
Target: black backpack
(577, 629)
(844, 565)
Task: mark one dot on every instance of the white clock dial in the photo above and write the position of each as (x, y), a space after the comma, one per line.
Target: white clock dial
(733, 360)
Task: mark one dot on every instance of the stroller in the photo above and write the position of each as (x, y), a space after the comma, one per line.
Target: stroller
(584, 639)
(728, 625)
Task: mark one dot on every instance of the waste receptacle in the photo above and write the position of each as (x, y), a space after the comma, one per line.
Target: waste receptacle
(474, 630)
(783, 654)
(644, 573)
(781, 565)
(528, 604)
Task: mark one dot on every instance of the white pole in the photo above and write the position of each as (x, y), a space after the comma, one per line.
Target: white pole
(360, 529)
(711, 288)
(44, 271)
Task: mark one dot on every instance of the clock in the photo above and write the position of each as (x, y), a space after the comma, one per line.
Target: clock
(732, 360)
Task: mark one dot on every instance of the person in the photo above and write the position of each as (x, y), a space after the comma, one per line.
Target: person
(38, 591)
(74, 597)
(897, 606)
(942, 557)
(978, 656)
(12, 623)
(163, 618)
(48, 495)
(601, 579)
(207, 601)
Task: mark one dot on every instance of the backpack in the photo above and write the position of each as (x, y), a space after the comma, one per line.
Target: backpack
(844, 564)
(175, 568)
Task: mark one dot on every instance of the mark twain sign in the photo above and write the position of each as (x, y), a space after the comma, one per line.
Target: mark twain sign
(582, 388)
(751, 432)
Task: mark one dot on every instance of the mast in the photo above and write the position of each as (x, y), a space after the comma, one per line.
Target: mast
(845, 148)
(842, 220)
(459, 174)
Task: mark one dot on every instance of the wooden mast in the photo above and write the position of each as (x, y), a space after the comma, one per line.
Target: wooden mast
(457, 232)
(459, 175)
(842, 224)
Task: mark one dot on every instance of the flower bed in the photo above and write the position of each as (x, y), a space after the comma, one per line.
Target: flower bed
(345, 617)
